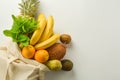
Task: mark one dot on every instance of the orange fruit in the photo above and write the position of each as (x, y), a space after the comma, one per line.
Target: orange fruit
(28, 51)
(41, 56)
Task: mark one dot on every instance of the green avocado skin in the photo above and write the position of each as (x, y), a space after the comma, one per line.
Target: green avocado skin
(67, 65)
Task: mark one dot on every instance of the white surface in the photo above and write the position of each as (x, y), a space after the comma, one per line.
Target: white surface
(95, 29)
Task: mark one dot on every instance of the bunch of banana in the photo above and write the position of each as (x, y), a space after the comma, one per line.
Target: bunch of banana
(43, 36)
(38, 32)
(47, 43)
(48, 29)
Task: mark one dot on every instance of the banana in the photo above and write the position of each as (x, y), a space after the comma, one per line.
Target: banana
(47, 43)
(38, 32)
(48, 29)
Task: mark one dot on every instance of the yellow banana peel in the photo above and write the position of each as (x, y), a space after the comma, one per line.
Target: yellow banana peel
(47, 43)
(38, 32)
(48, 29)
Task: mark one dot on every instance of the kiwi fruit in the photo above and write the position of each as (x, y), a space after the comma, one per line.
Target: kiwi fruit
(65, 38)
(67, 65)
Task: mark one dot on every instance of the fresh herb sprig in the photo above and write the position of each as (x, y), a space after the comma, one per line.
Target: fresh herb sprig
(21, 28)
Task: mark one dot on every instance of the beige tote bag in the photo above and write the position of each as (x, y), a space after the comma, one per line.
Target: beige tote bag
(13, 66)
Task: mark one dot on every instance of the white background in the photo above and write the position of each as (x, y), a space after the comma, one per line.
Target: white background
(95, 29)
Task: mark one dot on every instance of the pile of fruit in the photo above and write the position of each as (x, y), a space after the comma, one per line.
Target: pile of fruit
(36, 37)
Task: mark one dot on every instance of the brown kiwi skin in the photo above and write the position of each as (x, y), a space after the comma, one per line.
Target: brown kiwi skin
(67, 65)
(65, 38)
